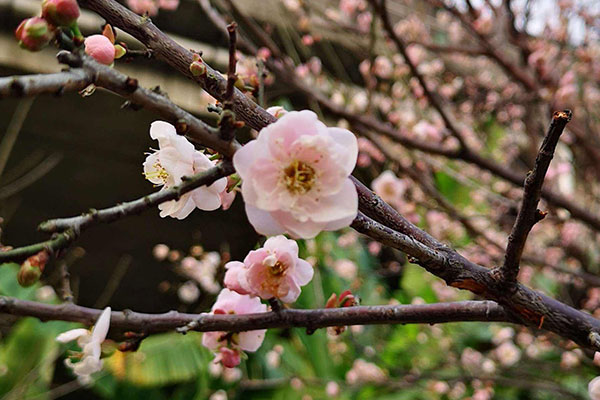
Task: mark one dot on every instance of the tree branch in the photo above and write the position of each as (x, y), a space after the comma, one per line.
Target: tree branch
(285, 318)
(127, 87)
(166, 49)
(528, 214)
(56, 84)
(70, 228)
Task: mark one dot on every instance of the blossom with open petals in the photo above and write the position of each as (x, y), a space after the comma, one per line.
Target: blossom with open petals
(226, 345)
(389, 187)
(90, 343)
(272, 271)
(175, 159)
(295, 177)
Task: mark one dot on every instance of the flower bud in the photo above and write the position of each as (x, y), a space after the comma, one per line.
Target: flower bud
(33, 33)
(197, 68)
(100, 48)
(32, 269)
(60, 12)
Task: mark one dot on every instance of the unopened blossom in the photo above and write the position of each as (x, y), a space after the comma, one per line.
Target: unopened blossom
(175, 159)
(228, 346)
(383, 67)
(389, 187)
(60, 12)
(594, 388)
(100, 48)
(273, 271)
(90, 343)
(34, 33)
(295, 177)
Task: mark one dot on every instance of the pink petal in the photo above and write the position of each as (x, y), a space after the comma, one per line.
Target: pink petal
(303, 272)
(251, 341)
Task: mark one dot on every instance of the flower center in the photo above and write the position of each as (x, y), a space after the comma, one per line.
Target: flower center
(159, 172)
(299, 177)
(277, 269)
(274, 266)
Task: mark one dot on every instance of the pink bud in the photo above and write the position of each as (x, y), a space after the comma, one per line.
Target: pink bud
(33, 33)
(229, 358)
(100, 48)
(60, 12)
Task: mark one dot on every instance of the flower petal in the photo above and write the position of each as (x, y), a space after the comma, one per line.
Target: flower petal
(71, 335)
(263, 222)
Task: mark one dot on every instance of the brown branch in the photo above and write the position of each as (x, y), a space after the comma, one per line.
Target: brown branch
(286, 318)
(127, 87)
(524, 304)
(528, 214)
(70, 228)
(166, 49)
(56, 84)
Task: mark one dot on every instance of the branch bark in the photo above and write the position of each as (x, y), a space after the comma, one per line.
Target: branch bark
(286, 318)
(528, 214)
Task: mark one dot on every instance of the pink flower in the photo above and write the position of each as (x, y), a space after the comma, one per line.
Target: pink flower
(100, 48)
(178, 158)
(228, 346)
(168, 4)
(295, 177)
(272, 271)
(33, 33)
(389, 187)
(143, 6)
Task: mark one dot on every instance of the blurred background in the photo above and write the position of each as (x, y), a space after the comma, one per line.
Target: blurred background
(62, 155)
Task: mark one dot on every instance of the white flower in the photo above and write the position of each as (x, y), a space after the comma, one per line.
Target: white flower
(175, 159)
(90, 343)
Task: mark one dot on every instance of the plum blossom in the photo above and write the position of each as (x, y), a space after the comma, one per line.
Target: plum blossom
(389, 187)
(594, 388)
(151, 7)
(365, 372)
(175, 159)
(271, 271)
(228, 346)
(90, 343)
(296, 177)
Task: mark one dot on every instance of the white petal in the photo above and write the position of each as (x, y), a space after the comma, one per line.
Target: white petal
(101, 328)
(71, 335)
(263, 222)
(150, 170)
(341, 205)
(206, 199)
(349, 147)
(251, 341)
(244, 158)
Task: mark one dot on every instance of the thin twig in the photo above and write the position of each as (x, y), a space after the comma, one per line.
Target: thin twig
(69, 228)
(529, 215)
